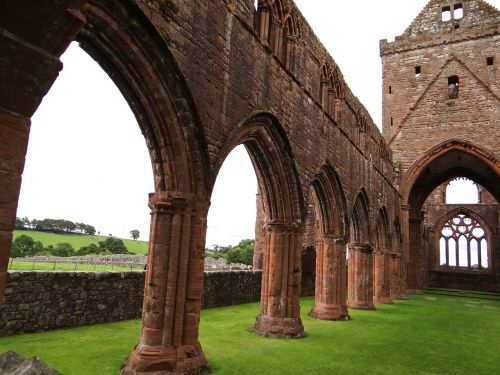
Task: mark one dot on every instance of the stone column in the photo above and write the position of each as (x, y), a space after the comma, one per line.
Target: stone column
(381, 285)
(14, 133)
(173, 291)
(279, 306)
(258, 253)
(360, 279)
(331, 283)
(397, 282)
(415, 252)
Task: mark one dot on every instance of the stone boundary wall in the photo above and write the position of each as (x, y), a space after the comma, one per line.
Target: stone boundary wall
(41, 301)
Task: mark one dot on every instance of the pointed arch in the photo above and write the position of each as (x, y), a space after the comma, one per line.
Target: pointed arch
(449, 159)
(331, 202)
(360, 228)
(274, 163)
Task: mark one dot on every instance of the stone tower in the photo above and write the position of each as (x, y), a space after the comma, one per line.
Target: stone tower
(441, 119)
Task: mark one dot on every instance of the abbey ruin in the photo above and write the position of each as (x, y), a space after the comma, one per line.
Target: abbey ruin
(328, 178)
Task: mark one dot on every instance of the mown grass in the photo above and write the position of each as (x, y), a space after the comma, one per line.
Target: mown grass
(424, 335)
(41, 266)
(79, 240)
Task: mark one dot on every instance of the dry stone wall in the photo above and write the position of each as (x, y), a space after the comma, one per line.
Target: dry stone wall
(40, 301)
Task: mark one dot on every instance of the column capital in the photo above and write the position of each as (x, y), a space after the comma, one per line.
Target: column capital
(362, 247)
(274, 226)
(175, 202)
(337, 239)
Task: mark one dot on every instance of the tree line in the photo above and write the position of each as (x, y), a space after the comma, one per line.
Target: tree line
(241, 253)
(26, 246)
(59, 226)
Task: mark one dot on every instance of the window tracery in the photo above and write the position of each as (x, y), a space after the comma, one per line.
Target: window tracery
(463, 243)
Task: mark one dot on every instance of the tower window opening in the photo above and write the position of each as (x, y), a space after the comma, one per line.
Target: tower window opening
(392, 121)
(390, 88)
(458, 11)
(489, 61)
(418, 71)
(446, 14)
(453, 87)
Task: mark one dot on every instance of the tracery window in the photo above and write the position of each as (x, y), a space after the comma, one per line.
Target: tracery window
(463, 243)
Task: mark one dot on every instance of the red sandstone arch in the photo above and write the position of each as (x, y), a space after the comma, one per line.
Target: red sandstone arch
(331, 282)
(381, 261)
(137, 58)
(450, 159)
(273, 160)
(360, 269)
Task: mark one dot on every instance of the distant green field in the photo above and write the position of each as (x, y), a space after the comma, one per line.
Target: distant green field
(79, 240)
(39, 266)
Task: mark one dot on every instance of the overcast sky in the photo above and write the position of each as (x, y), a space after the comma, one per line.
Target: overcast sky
(87, 160)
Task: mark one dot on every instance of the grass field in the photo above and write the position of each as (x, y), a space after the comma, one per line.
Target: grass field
(77, 240)
(428, 334)
(41, 266)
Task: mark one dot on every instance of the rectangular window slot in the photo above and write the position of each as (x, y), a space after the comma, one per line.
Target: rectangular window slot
(453, 87)
(418, 71)
(446, 14)
(392, 121)
(489, 61)
(390, 87)
(458, 11)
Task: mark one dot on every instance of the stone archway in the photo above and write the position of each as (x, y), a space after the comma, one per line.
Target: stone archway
(381, 260)
(360, 269)
(450, 159)
(331, 281)
(135, 56)
(283, 208)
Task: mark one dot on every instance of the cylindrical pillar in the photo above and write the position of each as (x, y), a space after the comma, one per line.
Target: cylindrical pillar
(279, 307)
(173, 291)
(360, 278)
(381, 272)
(331, 283)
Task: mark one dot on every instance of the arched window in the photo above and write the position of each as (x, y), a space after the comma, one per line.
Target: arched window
(464, 242)
(323, 93)
(462, 191)
(288, 42)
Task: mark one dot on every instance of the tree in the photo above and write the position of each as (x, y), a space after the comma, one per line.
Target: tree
(134, 234)
(113, 245)
(63, 249)
(89, 249)
(25, 246)
(241, 253)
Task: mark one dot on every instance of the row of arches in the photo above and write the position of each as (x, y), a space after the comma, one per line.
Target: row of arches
(277, 28)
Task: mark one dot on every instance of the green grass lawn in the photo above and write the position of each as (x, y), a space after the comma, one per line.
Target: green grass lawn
(77, 240)
(428, 334)
(40, 266)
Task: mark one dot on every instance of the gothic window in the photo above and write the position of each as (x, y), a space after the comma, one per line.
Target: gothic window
(463, 243)
(453, 87)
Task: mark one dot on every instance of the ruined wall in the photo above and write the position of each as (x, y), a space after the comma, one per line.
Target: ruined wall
(40, 301)
(242, 76)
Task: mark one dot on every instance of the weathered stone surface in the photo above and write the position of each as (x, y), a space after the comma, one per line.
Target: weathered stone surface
(40, 301)
(12, 363)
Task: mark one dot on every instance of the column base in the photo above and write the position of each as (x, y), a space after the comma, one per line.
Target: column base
(278, 327)
(329, 312)
(184, 360)
(383, 300)
(362, 306)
